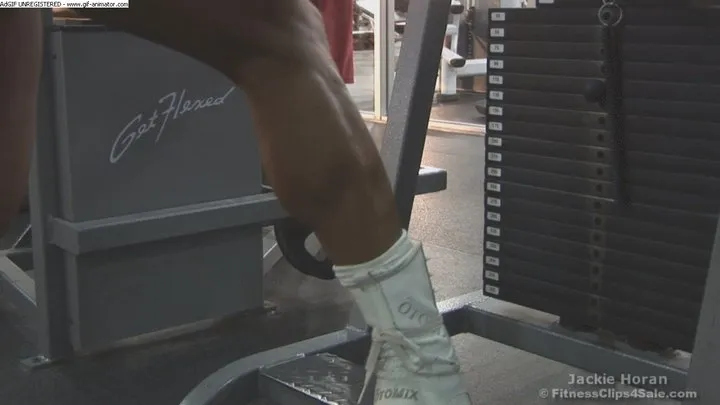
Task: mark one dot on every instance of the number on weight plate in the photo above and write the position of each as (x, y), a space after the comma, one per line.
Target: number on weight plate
(493, 261)
(493, 110)
(493, 216)
(492, 246)
(497, 48)
(494, 141)
(492, 231)
(497, 32)
(496, 95)
(494, 202)
(495, 126)
(491, 275)
(493, 187)
(497, 16)
(494, 157)
(492, 290)
(495, 172)
(495, 79)
(496, 64)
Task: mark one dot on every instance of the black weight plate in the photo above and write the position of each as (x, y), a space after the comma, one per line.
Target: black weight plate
(500, 32)
(645, 53)
(692, 54)
(545, 33)
(696, 114)
(513, 210)
(548, 50)
(678, 72)
(512, 207)
(647, 107)
(672, 127)
(615, 283)
(536, 84)
(661, 35)
(623, 319)
(575, 102)
(678, 92)
(546, 67)
(589, 16)
(692, 185)
(690, 290)
(681, 145)
(630, 288)
(647, 247)
(671, 73)
(638, 160)
(540, 115)
(556, 84)
(613, 307)
(585, 252)
(704, 224)
(637, 194)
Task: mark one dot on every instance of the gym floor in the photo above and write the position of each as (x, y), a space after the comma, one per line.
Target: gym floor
(450, 225)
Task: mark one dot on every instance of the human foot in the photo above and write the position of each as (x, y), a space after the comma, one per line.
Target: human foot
(412, 355)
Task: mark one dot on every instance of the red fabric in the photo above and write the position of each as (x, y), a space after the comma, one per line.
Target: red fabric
(338, 16)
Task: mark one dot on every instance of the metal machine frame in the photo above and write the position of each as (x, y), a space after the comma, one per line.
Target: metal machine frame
(452, 65)
(257, 377)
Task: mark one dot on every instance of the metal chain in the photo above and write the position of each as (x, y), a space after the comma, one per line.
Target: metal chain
(610, 6)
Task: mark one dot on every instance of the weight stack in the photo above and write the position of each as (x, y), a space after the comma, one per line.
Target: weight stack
(603, 166)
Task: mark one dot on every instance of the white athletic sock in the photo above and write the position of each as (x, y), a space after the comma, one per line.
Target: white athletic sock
(411, 353)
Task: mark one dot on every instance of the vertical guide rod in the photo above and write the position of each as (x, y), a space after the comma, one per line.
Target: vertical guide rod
(412, 98)
(53, 323)
(384, 52)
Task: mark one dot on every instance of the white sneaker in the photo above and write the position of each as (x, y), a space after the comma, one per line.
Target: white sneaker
(411, 355)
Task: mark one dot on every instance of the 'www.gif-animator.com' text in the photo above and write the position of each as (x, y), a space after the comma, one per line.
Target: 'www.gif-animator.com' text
(64, 4)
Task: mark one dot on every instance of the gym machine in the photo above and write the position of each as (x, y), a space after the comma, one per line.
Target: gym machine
(327, 369)
(453, 66)
(146, 198)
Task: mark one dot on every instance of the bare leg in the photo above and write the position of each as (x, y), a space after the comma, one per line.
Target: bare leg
(316, 149)
(324, 168)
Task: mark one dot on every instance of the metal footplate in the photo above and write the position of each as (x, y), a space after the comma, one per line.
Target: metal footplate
(317, 379)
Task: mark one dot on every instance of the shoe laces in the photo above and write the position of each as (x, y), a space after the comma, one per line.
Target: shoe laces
(410, 353)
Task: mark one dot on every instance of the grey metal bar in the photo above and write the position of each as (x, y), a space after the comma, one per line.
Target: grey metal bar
(238, 381)
(705, 364)
(25, 239)
(384, 52)
(413, 91)
(17, 288)
(52, 326)
(84, 237)
(271, 253)
(431, 180)
(21, 257)
(89, 236)
(555, 344)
